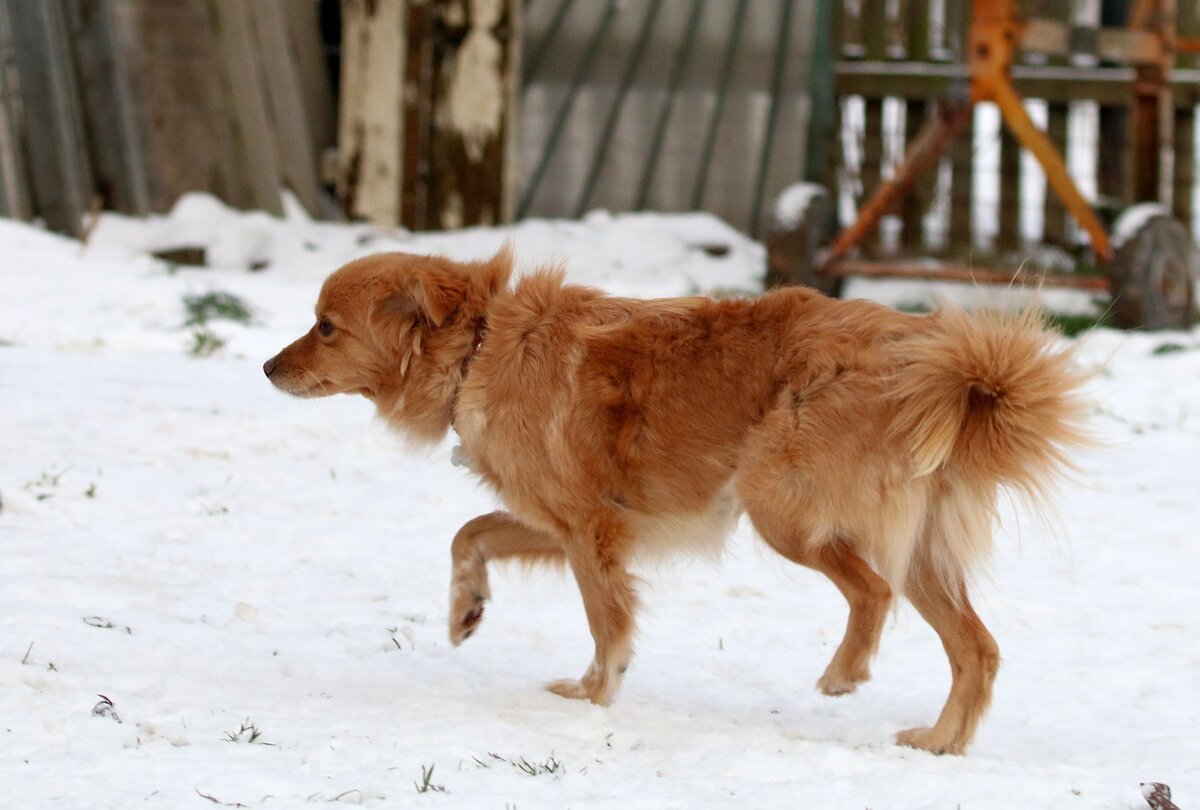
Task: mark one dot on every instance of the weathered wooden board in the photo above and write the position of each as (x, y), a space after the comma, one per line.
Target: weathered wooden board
(425, 127)
(14, 179)
(59, 169)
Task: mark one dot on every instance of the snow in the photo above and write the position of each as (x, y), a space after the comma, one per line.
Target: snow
(209, 554)
(793, 202)
(1132, 219)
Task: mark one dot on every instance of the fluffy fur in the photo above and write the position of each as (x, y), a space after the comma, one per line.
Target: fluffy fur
(862, 442)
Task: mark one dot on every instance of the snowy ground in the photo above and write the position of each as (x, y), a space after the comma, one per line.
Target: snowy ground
(206, 552)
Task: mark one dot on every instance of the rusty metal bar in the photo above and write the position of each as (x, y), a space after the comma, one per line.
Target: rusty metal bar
(938, 131)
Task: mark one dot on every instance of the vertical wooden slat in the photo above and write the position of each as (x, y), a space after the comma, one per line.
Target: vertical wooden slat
(1054, 217)
(308, 50)
(872, 154)
(14, 191)
(58, 163)
(960, 234)
(426, 124)
(915, 15)
(897, 25)
(1184, 176)
(851, 28)
(280, 79)
(94, 48)
(172, 80)
(823, 122)
(962, 158)
(875, 28)
(249, 104)
(1184, 141)
(370, 136)
(417, 172)
(1113, 130)
(1008, 236)
(1054, 213)
(475, 76)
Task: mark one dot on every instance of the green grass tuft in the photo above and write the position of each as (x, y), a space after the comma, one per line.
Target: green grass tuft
(205, 342)
(216, 305)
(1169, 348)
(1074, 325)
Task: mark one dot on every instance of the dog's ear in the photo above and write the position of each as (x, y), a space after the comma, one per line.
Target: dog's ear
(491, 275)
(428, 288)
(439, 287)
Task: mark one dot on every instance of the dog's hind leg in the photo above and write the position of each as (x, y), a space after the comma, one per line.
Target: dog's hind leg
(866, 592)
(609, 599)
(974, 660)
(495, 536)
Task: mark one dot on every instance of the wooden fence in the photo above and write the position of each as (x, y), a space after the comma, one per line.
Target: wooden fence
(131, 103)
(897, 58)
(619, 104)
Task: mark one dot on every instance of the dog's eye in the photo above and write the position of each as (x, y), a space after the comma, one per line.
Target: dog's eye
(325, 328)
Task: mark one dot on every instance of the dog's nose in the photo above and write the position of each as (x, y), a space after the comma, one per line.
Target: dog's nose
(269, 367)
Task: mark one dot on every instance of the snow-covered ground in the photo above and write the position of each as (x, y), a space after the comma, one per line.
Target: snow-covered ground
(208, 553)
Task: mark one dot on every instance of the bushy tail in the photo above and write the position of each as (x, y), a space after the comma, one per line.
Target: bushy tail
(986, 395)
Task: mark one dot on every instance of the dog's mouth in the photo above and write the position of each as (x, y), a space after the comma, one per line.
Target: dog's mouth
(307, 386)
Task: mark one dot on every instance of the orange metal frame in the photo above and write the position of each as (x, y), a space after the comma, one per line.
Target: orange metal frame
(995, 33)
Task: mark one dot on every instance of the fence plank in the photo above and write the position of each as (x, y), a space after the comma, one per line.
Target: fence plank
(14, 191)
(61, 173)
(112, 140)
(1008, 237)
(370, 137)
(249, 104)
(872, 156)
(962, 156)
(280, 80)
(1054, 218)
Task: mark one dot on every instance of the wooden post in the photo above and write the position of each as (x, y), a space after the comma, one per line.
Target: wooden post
(58, 162)
(1150, 85)
(428, 102)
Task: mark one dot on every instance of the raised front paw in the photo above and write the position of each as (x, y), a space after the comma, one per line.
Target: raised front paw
(468, 592)
(465, 616)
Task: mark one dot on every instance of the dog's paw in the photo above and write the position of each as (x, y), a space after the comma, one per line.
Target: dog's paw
(464, 619)
(928, 739)
(579, 690)
(468, 593)
(834, 687)
(836, 684)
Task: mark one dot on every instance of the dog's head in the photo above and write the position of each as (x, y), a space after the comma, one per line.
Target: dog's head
(387, 323)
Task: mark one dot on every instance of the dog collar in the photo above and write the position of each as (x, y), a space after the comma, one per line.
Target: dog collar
(476, 342)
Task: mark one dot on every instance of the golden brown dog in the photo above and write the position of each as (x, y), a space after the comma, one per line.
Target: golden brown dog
(862, 442)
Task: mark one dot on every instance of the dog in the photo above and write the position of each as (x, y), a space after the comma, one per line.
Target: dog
(862, 442)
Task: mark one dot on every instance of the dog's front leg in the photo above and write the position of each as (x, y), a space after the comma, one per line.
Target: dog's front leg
(597, 556)
(495, 536)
